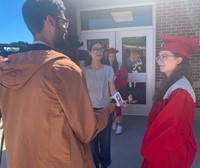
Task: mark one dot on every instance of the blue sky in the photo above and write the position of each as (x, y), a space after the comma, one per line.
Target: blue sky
(12, 26)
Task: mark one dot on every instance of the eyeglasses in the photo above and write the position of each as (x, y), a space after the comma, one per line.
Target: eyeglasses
(163, 57)
(97, 50)
(65, 23)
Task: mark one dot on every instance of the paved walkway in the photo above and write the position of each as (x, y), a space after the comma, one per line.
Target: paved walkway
(125, 148)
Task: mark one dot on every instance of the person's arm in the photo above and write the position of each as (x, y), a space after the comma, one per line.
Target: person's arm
(1, 120)
(70, 87)
(111, 82)
(112, 87)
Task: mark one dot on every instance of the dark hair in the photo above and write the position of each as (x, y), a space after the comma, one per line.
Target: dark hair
(115, 64)
(35, 11)
(88, 59)
(182, 69)
(83, 54)
(91, 44)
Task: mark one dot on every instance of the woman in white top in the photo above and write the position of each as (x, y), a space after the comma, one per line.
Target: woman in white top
(100, 82)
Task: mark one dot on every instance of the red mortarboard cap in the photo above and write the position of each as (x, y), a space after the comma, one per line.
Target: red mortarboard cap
(179, 44)
(112, 51)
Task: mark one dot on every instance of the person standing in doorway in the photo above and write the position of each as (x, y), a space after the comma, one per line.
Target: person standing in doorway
(48, 118)
(100, 82)
(169, 140)
(121, 78)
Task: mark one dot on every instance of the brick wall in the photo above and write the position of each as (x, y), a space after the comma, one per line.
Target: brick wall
(181, 18)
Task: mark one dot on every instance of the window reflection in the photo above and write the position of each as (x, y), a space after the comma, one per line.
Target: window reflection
(134, 59)
(138, 91)
(134, 54)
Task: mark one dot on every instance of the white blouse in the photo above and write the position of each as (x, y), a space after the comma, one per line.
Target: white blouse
(98, 84)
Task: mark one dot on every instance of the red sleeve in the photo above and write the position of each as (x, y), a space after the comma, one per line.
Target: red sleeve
(170, 129)
(121, 78)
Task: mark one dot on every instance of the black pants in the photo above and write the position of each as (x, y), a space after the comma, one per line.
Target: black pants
(100, 145)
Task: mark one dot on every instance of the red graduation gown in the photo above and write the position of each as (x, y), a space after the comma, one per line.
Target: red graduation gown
(120, 81)
(169, 141)
(121, 78)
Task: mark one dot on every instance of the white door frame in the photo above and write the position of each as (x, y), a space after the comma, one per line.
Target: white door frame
(148, 77)
(115, 38)
(97, 35)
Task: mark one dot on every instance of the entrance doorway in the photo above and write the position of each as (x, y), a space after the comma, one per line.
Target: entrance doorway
(136, 53)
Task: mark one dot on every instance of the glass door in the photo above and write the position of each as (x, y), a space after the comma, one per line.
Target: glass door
(105, 38)
(136, 54)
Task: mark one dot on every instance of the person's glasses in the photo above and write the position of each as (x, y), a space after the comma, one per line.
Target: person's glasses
(98, 50)
(163, 57)
(65, 22)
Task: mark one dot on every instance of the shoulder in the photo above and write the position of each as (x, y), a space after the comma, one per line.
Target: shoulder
(184, 84)
(62, 63)
(85, 69)
(110, 72)
(108, 68)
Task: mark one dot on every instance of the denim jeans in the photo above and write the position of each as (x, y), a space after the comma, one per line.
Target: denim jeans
(100, 146)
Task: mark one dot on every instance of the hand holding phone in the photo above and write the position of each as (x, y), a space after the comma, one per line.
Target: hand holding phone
(117, 97)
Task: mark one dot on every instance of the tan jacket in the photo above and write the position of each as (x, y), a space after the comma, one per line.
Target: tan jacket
(47, 113)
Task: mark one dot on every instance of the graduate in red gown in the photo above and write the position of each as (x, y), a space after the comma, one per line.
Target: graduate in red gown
(169, 141)
(121, 79)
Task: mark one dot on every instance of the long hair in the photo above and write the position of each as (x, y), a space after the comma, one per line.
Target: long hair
(182, 69)
(115, 64)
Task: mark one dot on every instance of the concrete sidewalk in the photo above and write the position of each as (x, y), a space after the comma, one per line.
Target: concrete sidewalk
(125, 148)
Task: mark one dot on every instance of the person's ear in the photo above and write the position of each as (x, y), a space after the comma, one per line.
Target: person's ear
(179, 60)
(51, 21)
(90, 53)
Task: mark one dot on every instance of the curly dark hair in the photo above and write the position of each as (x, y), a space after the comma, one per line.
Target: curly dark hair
(182, 69)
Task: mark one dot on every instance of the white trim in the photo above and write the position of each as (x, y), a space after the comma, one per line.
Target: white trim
(139, 3)
(182, 83)
(97, 35)
(149, 78)
(135, 4)
(151, 38)
(118, 29)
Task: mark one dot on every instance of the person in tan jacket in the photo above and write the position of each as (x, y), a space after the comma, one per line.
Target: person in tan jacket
(47, 113)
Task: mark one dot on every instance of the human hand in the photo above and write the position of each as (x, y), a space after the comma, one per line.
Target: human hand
(125, 103)
(110, 106)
